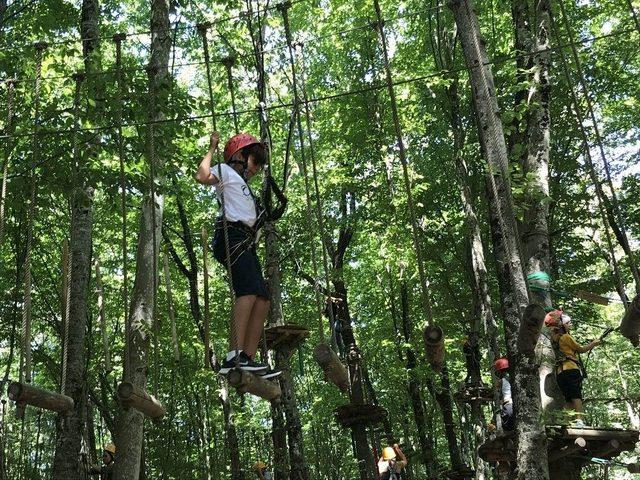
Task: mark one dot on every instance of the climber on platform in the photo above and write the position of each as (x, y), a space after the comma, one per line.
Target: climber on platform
(235, 246)
(501, 369)
(570, 370)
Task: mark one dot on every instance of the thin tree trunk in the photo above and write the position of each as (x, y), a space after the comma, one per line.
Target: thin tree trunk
(130, 422)
(413, 389)
(531, 437)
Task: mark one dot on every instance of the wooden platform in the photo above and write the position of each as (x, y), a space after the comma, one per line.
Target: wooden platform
(470, 394)
(367, 414)
(289, 336)
(564, 442)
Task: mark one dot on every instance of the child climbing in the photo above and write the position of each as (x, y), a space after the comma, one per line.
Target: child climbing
(569, 367)
(243, 156)
(389, 467)
(501, 368)
(106, 469)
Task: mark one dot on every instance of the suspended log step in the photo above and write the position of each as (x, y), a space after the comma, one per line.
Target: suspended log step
(472, 393)
(245, 382)
(564, 442)
(630, 325)
(25, 394)
(285, 337)
(433, 337)
(132, 396)
(333, 369)
(462, 474)
(359, 414)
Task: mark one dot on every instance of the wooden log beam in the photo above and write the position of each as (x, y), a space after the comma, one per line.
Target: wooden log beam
(246, 382)
(433, 337)
(532, 320)
(630, 325)
(333, 369)
(132, 396)
(25, 394)
(578, 445)
(633, 467)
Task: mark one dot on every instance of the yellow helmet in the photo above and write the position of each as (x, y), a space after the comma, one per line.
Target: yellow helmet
(388, 453)
(259, 465)
(111, 448)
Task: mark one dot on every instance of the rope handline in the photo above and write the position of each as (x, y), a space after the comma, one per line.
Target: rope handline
(316, 188)
(123, 203)
(7, 154)
(152, 71)
(591, 168)
(220, 188)
(25, 360)
(600, 144)
(309, 209)
(208, 363)
(66, 307)
(424, 283)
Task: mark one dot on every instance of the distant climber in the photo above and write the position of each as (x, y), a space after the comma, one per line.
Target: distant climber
(392, 463)
(108, 463)
(260, 469)
(501, 369)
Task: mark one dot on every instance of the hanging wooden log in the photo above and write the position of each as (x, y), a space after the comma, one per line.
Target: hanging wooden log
(246, 382)
(132, 396)
(532, 320)
(434, 346)
(333, 369)
(25, 394)
(630, 325)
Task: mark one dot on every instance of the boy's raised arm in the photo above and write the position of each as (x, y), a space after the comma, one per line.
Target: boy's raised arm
(204, 175)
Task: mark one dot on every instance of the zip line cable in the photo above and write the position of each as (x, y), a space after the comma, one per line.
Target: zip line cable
(322, 98)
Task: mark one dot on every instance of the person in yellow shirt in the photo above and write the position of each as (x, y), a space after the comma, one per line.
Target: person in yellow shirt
(569, 367)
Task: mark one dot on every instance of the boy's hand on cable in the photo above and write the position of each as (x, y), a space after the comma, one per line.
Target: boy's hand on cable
(214, 140)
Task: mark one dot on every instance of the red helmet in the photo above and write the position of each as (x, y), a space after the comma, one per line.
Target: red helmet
(553, 318)
(501, 364)
(238, 142)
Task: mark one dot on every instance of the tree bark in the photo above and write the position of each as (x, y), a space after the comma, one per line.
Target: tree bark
(532, 442)
(70, 427)
(130, 422)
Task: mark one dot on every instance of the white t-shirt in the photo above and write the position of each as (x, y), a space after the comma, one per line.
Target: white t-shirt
(239, 203)
(505, 390)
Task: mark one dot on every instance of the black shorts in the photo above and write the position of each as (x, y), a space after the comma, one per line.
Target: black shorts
(246, 272)
(570, 383)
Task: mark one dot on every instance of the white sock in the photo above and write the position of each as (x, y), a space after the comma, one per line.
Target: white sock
(232, 354)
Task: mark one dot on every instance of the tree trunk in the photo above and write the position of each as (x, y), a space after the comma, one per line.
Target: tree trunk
(70, 427)
(413, 389)
(443, 398)
(130, 422)
(531, 437)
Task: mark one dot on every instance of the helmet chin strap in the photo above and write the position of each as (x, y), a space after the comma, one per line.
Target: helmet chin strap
(244, 164)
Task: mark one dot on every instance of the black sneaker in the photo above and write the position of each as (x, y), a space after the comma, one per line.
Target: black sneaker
(243, 362)
(270, 374)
